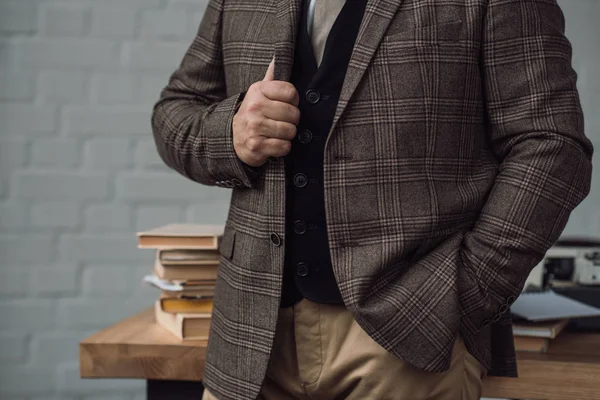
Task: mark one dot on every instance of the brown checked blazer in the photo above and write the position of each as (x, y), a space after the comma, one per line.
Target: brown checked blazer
(456, 155)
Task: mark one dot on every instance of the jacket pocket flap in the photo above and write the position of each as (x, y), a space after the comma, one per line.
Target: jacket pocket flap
(227, 242)
(444, 31)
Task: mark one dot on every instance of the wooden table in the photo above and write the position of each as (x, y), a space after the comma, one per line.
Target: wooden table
(139, 348)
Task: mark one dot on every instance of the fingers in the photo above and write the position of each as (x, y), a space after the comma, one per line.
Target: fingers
(276, 147)
(280, 91)
(259, 149)
(280, 111)
(278, 129)
(270, 75)
(267, 119)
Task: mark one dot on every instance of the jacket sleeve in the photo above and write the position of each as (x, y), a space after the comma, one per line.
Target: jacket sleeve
(536, 129)
(192, 120)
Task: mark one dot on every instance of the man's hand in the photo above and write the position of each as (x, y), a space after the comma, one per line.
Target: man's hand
(265, 123)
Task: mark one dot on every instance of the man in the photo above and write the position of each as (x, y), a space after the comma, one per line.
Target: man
(397, 171)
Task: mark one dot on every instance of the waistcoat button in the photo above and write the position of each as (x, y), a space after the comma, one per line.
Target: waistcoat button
(275, 239)
(312, 96)
(300, 180)
(305, 136)
(302, 269)
(299, 227)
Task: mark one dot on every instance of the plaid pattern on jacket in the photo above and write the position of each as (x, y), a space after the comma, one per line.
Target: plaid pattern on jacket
(456, 155)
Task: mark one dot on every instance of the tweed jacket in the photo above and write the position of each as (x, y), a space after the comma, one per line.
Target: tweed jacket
(456, 155)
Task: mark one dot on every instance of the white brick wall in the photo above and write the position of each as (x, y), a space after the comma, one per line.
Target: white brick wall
(79, 174)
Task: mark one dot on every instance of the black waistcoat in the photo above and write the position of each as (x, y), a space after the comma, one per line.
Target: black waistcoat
(308, 271)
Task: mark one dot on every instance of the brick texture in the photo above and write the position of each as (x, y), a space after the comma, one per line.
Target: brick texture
(79, 174)
(65, 20)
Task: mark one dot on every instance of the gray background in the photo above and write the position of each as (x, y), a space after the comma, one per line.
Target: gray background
(79, 174)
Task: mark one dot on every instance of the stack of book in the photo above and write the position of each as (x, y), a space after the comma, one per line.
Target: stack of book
(536, 336)
(539, 317)
(185, 271)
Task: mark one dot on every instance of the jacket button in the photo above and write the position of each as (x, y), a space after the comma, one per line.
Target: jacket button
(497, 317)
(275, 239)
(300, 227)
(236, 182)
(305, 136)
(503, 308)
(510, 300)
(486, 323)
(300, 180)
(312, 96)
(302, 269)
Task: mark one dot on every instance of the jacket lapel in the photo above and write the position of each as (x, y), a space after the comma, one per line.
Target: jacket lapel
(378, 15)
(287, 18)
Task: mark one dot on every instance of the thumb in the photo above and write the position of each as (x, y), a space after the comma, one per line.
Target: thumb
(270, 75)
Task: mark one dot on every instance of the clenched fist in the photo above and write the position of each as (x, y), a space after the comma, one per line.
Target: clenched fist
(265, 123)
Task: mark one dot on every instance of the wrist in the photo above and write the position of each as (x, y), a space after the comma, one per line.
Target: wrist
(251, 167)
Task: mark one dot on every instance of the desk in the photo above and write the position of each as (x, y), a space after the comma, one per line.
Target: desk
(138, 348)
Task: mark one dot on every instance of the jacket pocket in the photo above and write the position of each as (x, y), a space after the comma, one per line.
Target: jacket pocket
(227, 244)
(445, 32)
(473, 299)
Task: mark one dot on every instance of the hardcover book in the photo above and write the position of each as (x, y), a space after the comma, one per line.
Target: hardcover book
(188, 326)
(182, 236)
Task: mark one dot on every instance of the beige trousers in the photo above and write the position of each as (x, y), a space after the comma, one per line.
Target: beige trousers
(321, 353)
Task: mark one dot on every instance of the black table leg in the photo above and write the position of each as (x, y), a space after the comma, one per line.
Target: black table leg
(173, 390)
